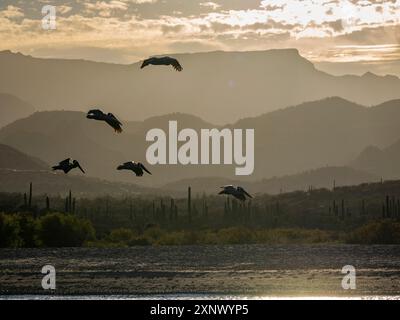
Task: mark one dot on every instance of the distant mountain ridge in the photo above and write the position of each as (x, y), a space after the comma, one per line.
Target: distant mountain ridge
(13, 108)
(18, 169)
(384, 162)
(325, 133)
(319, 178)
(11, 158)
(218, 86)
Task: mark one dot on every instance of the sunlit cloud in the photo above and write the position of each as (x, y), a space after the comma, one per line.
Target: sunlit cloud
(125, 30)
(211, 5)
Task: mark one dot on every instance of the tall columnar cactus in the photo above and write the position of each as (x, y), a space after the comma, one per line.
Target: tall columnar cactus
(172, 209)
(343, 210)
(363, 211)
(70, 201)
(163, 210)
(189, 204)
(30, 195)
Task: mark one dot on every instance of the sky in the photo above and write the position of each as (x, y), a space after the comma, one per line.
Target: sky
(343, 36)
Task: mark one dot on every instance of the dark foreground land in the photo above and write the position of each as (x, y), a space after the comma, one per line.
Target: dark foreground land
(250, 270)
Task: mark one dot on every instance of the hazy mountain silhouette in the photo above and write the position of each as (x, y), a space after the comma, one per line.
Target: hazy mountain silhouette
(218, 86)
(318, 178)
(47, 182)
(383, 162)
(329, 132)
(18, 169)
(13, 108)
(11, 158)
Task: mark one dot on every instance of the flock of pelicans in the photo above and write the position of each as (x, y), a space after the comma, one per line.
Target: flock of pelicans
(136, 167)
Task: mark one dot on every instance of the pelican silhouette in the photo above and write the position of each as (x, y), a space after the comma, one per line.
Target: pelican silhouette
(164, 61)
(238, 192)
(136, 167)
(66, 166)
(109, 118)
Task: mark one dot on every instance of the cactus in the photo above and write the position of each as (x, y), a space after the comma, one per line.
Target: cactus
(30, 195)
(172, 210)
(163, 211)
(189, 204)
(388, 213)
(363, 212)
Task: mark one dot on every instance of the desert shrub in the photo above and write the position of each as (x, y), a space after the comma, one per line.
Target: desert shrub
(153, 234)
(139, 241)
(9, 231)
(121, 235)
(235, 235)
(27, 230)
(382, 232)
(171, 238)
(62, 230)
(288, 236)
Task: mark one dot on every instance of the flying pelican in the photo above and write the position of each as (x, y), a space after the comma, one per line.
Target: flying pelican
(66, 166)
(238, 192)
(97, 114)
(165, 61)
(136, 167)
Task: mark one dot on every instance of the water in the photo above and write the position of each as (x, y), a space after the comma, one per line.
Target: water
(203, 272)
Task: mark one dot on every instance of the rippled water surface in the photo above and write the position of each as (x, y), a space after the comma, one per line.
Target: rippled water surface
(203, 272)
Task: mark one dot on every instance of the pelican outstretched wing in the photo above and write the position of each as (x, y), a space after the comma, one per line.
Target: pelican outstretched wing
(146, 63)
(114, 118)
(175, 63)
(245, 192)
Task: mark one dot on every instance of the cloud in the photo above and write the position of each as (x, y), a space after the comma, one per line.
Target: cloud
(12, 12)
(142, 1)
(64, 9)
(106, 9)
(212, 5)
(125, 30)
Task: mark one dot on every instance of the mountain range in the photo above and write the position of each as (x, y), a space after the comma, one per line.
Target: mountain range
(13, 108)
(18, 169)
(216, 86)
(332, 132)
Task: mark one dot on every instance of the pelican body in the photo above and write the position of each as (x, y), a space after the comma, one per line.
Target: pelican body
(109, 118)
(238, 192)
(162, 61)
(137, 167)
(66, 166)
